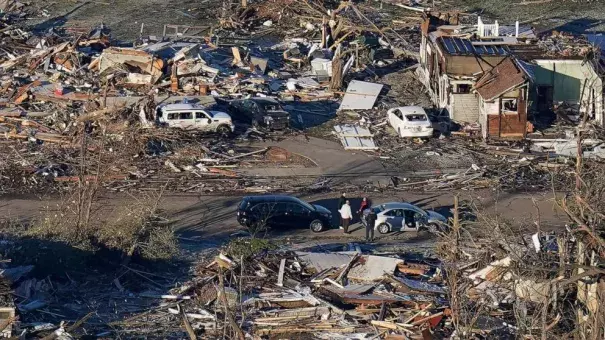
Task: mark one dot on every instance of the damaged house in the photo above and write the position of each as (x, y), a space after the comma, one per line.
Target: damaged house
(503, 76)
(503, 101)
(453, 57)
(569, 87)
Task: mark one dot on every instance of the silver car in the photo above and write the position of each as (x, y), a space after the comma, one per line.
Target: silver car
(397, 216)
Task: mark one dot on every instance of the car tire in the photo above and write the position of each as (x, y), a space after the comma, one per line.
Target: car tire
(316, 226)
(432, 227)
(223, 130)
(383, 228)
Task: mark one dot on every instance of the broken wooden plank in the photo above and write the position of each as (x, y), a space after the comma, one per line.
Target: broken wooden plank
(280, 275)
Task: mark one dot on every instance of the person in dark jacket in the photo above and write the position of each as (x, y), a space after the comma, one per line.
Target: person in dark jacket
(341, 201)
(371, 222)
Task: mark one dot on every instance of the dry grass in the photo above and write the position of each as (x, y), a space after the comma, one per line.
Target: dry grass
(134, 230)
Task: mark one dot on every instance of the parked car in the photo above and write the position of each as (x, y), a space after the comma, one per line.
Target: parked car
(261, 112)
(397, 216)
(192, 116)
(410, 121)
(277, 211)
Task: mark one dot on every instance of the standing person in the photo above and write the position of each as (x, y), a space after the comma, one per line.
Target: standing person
(370, 224)
(341, 201)
(364, 205)
(346, 215)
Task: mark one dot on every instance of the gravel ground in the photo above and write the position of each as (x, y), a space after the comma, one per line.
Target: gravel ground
(124, 17)
(579, 16)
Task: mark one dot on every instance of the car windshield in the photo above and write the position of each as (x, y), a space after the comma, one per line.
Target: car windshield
(378, 209)
(244, 204)
(416, 117)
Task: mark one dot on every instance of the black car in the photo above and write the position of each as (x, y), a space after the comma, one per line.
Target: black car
(278, 211)
(260, 112)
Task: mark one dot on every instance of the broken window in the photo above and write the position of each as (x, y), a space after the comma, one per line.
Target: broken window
(186, 115)
(173, 115)
(416, 118)
(509, 105)
(200, 115)
(399, 114)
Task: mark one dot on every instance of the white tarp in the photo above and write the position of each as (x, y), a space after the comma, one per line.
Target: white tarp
(360, 95)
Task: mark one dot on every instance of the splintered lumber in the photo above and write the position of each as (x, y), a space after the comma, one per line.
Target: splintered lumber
(311, 328)
(94, 115)
(385, 324)
(345, 271)
(223, 297)
(428, 318)
(280, 275)
(187, 325)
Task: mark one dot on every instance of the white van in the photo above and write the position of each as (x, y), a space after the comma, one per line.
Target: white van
(192, 116)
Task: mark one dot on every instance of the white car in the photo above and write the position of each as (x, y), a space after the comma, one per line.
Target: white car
(192, 116)
(397, 216)
(410, 121)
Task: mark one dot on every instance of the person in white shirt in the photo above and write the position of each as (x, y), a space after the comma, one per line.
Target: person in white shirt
(346, 215)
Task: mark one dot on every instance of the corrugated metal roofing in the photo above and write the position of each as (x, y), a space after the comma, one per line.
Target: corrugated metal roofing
(529, 69)
(458, 46)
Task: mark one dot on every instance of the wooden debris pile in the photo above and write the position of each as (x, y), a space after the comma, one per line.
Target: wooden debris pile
(295, 294)
(510, 284)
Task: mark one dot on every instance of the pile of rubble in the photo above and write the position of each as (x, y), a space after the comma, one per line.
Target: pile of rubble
(73, 105)
(339, 291)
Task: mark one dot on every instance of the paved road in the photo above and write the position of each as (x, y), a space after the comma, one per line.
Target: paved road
(209, 216)
(201, 217)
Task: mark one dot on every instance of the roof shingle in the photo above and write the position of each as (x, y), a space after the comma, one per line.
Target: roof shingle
(499, 80)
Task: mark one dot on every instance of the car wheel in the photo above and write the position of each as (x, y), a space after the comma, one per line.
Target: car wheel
(432, 227)
(317, 226)
(223, 130)
(383, 228)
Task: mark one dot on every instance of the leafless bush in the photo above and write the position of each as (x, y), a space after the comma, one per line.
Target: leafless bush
(133, 229)
(562, 284)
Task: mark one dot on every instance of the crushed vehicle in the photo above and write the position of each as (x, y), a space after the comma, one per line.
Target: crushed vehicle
(410, 121)
(260, 113)
(192, 116)
(397, 216)
(280, 211)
